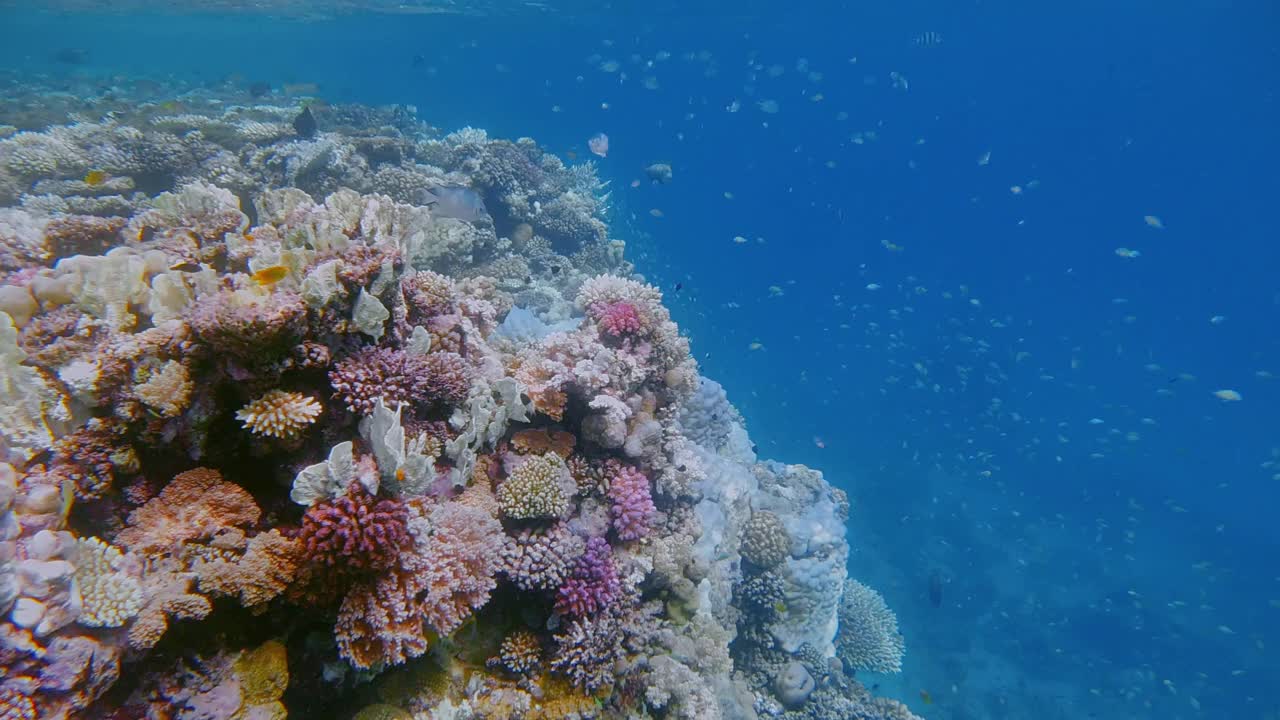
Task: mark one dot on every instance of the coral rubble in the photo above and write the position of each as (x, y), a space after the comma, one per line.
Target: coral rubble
(284, 431)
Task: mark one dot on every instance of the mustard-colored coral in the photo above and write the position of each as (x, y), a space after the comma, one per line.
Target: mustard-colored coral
(109, 598)
(381, 711)
(534, 489)
(279, 414)
(263, 673)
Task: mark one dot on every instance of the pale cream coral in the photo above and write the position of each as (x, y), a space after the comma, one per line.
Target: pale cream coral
(166, 389)
(534, 489)
(279, 414)
(109, 597)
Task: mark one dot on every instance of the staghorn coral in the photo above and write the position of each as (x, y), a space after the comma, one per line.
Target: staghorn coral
(535, 489)
(279, 414)
(868, 637)
(196, 505)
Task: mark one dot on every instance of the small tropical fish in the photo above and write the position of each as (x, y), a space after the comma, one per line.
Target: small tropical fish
(925, 697)
(935, 589)
(927, 39)
(820, 443)
(1153, 221)
(459, 203)
(599, 144)
(1128, 253)
(94, 178)
(757, 345)
(1228, 395)
(657, 213)
(270, 275)
(185, 266)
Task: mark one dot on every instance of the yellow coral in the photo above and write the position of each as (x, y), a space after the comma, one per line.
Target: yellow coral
(263, 673)
(279, 413)
(108, 597)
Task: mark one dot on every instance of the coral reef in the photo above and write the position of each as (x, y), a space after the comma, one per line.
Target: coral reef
(287, 413)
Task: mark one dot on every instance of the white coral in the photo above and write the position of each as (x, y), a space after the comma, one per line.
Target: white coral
(109, 597)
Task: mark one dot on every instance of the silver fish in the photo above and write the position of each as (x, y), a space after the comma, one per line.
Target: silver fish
(460, 203)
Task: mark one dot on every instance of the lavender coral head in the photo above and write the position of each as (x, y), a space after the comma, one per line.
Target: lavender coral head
(250, 325)
(632, 505)
(399, 377)
(356, 531)
(594, 584)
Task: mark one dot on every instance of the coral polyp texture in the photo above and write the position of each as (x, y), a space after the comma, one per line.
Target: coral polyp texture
(297, 422)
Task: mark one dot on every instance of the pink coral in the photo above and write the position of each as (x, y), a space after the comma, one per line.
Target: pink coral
(250, 326)
(632, 505)
(617, 318)
(448, 573)
(399, 377)
(354, 533)
(594, 584)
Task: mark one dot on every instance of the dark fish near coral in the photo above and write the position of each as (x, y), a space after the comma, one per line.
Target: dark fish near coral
(72, 56)
(659, 173)
(258, 89)
(935, 589)
(460, 203)
(305, 124)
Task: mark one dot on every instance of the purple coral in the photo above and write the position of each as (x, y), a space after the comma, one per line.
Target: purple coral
(250, 327)
(355, 532)
(588, 651)
(541, 558)
(632, 505)
(594, 583)
(399, 377)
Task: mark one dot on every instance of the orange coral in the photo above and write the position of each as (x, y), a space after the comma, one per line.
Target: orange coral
(541, 441)
(270, 562)
(197, 504)
(168, 597)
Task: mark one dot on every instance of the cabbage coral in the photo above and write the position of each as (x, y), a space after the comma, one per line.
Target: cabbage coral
(195, 505)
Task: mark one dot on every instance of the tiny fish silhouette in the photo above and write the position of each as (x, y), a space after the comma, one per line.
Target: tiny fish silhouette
(935, 589)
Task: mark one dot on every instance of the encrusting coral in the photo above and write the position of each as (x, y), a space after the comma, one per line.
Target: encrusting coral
(268, 403)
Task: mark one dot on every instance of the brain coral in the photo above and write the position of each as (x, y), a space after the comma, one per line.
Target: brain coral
(534, 489)
(868, 638)
(764, 539)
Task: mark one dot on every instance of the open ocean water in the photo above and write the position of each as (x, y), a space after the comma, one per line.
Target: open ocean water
(1008, 273)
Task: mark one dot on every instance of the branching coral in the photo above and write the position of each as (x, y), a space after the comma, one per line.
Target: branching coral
(536, 489)
(594, 584)
(632, 506)
(868, 637)
(520, 653)
(354, 533)
(279, 414)
(587, 651)
(541, 558)
(108, 597)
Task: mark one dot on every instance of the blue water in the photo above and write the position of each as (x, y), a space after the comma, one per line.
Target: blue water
(1016, 408)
